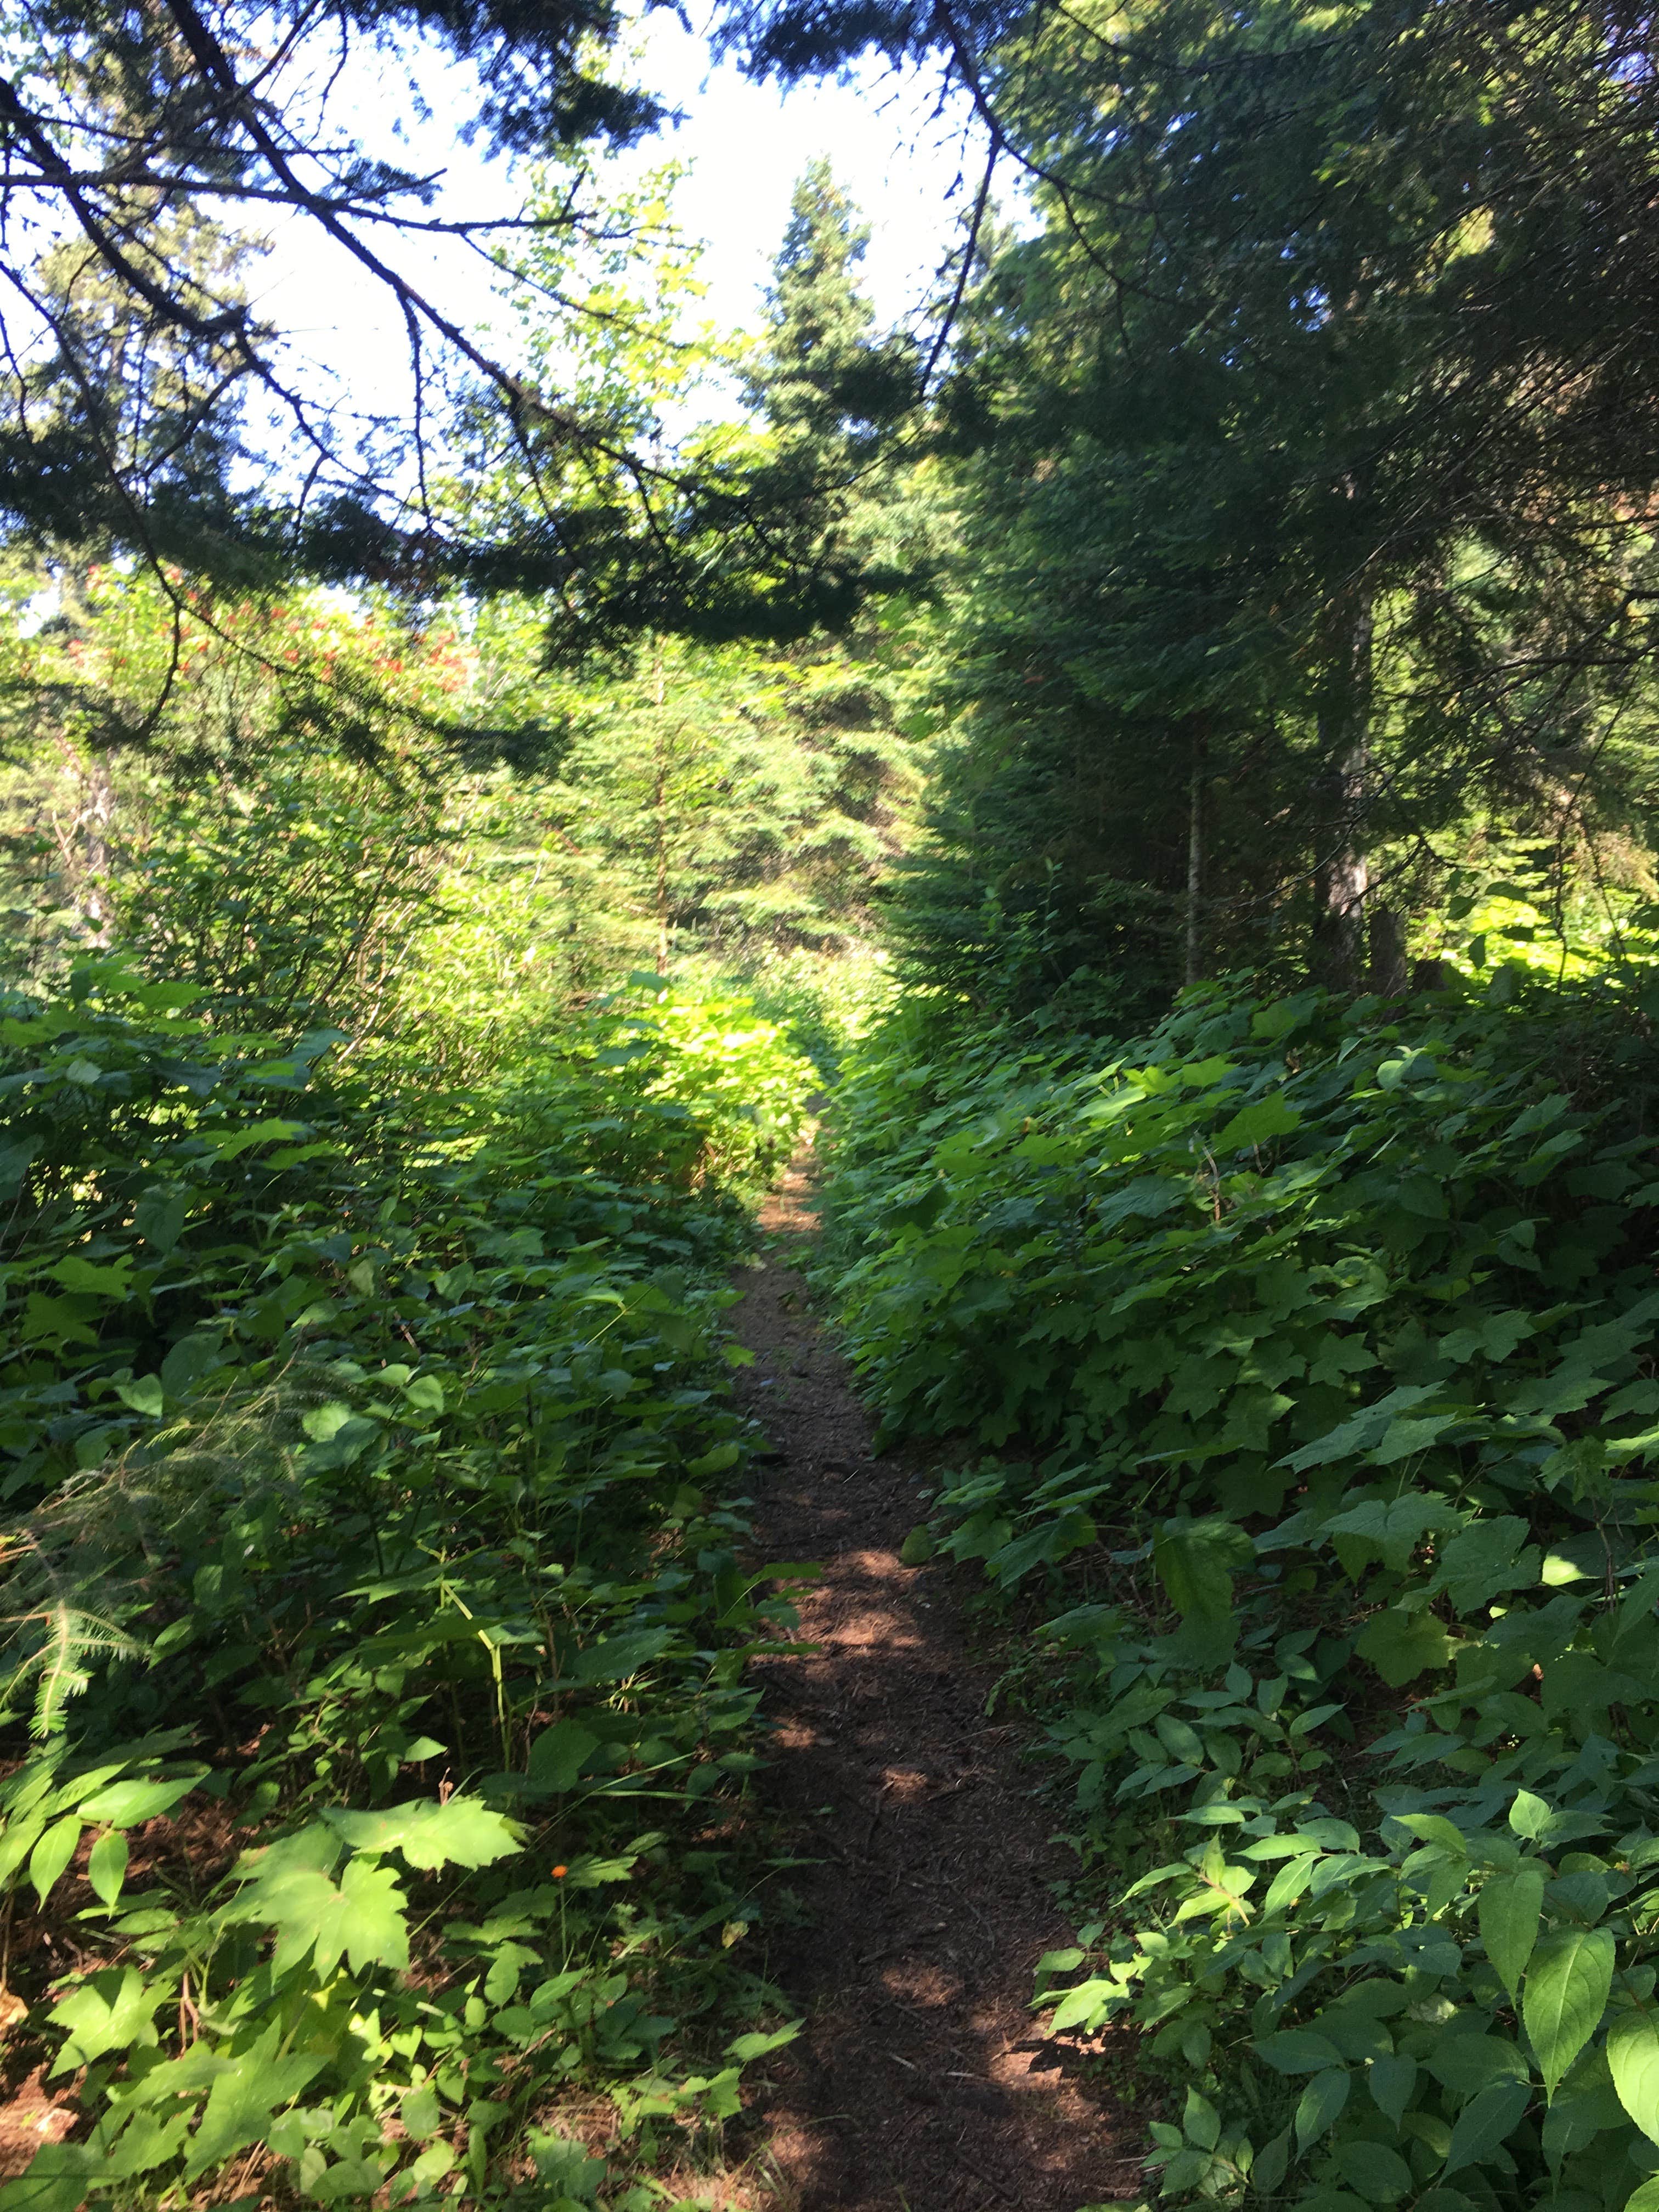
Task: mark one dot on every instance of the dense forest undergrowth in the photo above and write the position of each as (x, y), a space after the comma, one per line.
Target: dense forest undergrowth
(374, 1606)
(397, 1029)
(1309, 1343)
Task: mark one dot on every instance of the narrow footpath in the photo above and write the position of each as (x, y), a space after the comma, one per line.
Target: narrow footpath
(920, 2082)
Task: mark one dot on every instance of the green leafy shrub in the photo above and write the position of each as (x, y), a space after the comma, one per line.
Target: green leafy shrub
(1320, 1343)
(826, 1002)
(367, 1460)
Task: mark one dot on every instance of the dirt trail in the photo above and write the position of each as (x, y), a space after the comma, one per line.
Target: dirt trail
(919, 2084)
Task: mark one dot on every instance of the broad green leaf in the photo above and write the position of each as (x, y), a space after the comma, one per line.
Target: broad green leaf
(15, 1158)
(53, 1853)
(1066, 1961)
(145, 1394)
(746, 2048)
(1646, 2198)
(159, 1217)
(313, 1848)
(1485, 2122)
(362, 1920)
(557, 1755)
(109, 2011)
(243, 2100)
(564, 2165)
(434, 2162)
(1298, 2051)
(128, 1804)
(918, 1547)
(506, 1971)
(1633, 2062)
(58, 2180)
(421, 2112)
(83, 1788)
(1356, 2033)
(1271, 2162)
(32, 1783)
(1392, 2080)
(355, 2180)
(1508, 1908)
(1485, 1560)
(85, 1275)
(323, 1422)
(1195, 1561)
(1200, 2123)
(148, 2141)
(1380, 2175)
(369, 1929)
(1288, 1884)
(1494, 1334)
(1257, 1124)
(107, 1867)
(1401, 1645)
(426, 1394)
(1090, 2000)
(230, 1144)
(1412, 1067)
(17, 1841)
(1560, 1568)
(1278, 1018)
(1395, 1527)
(619, 1657)
(1434, 1828)
(1321, 2101)
(1466, 2064)
(1566, 1993)
(462, 1831)
(48, 1319)
(1355, 1435)
(1530, 1816)
(190, 1359)
(1047, 1544)
(1180, 1739)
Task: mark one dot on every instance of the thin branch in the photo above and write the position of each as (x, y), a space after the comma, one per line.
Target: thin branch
(969, 251)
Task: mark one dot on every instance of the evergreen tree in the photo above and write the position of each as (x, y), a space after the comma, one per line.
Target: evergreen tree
(832, 389)
(726, 798)
(728, 802)
(1298, 531)
(120, 376)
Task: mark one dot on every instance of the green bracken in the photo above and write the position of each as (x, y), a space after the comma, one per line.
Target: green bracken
(1316, 1340)
(373, 1601)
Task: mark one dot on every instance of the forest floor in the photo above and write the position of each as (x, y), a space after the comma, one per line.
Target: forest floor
(920, 2081)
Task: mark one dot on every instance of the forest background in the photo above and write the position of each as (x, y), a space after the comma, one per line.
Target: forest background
(1164, 740)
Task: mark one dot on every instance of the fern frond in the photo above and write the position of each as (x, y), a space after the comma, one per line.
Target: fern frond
(72, 1636)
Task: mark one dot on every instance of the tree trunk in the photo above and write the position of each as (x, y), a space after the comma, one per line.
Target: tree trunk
(1195, 857)
(1388, 936)
(1341, 876)
(659, 806)
(97, 819)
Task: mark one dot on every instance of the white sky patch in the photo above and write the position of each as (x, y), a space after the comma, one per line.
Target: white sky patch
(748, 143)
(912, 171)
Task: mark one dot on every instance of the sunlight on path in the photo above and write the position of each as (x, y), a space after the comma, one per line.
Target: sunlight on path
(920, 2084)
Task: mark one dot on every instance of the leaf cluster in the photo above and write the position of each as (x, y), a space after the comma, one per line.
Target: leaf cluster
(368, 1536)
(1318, 1340)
